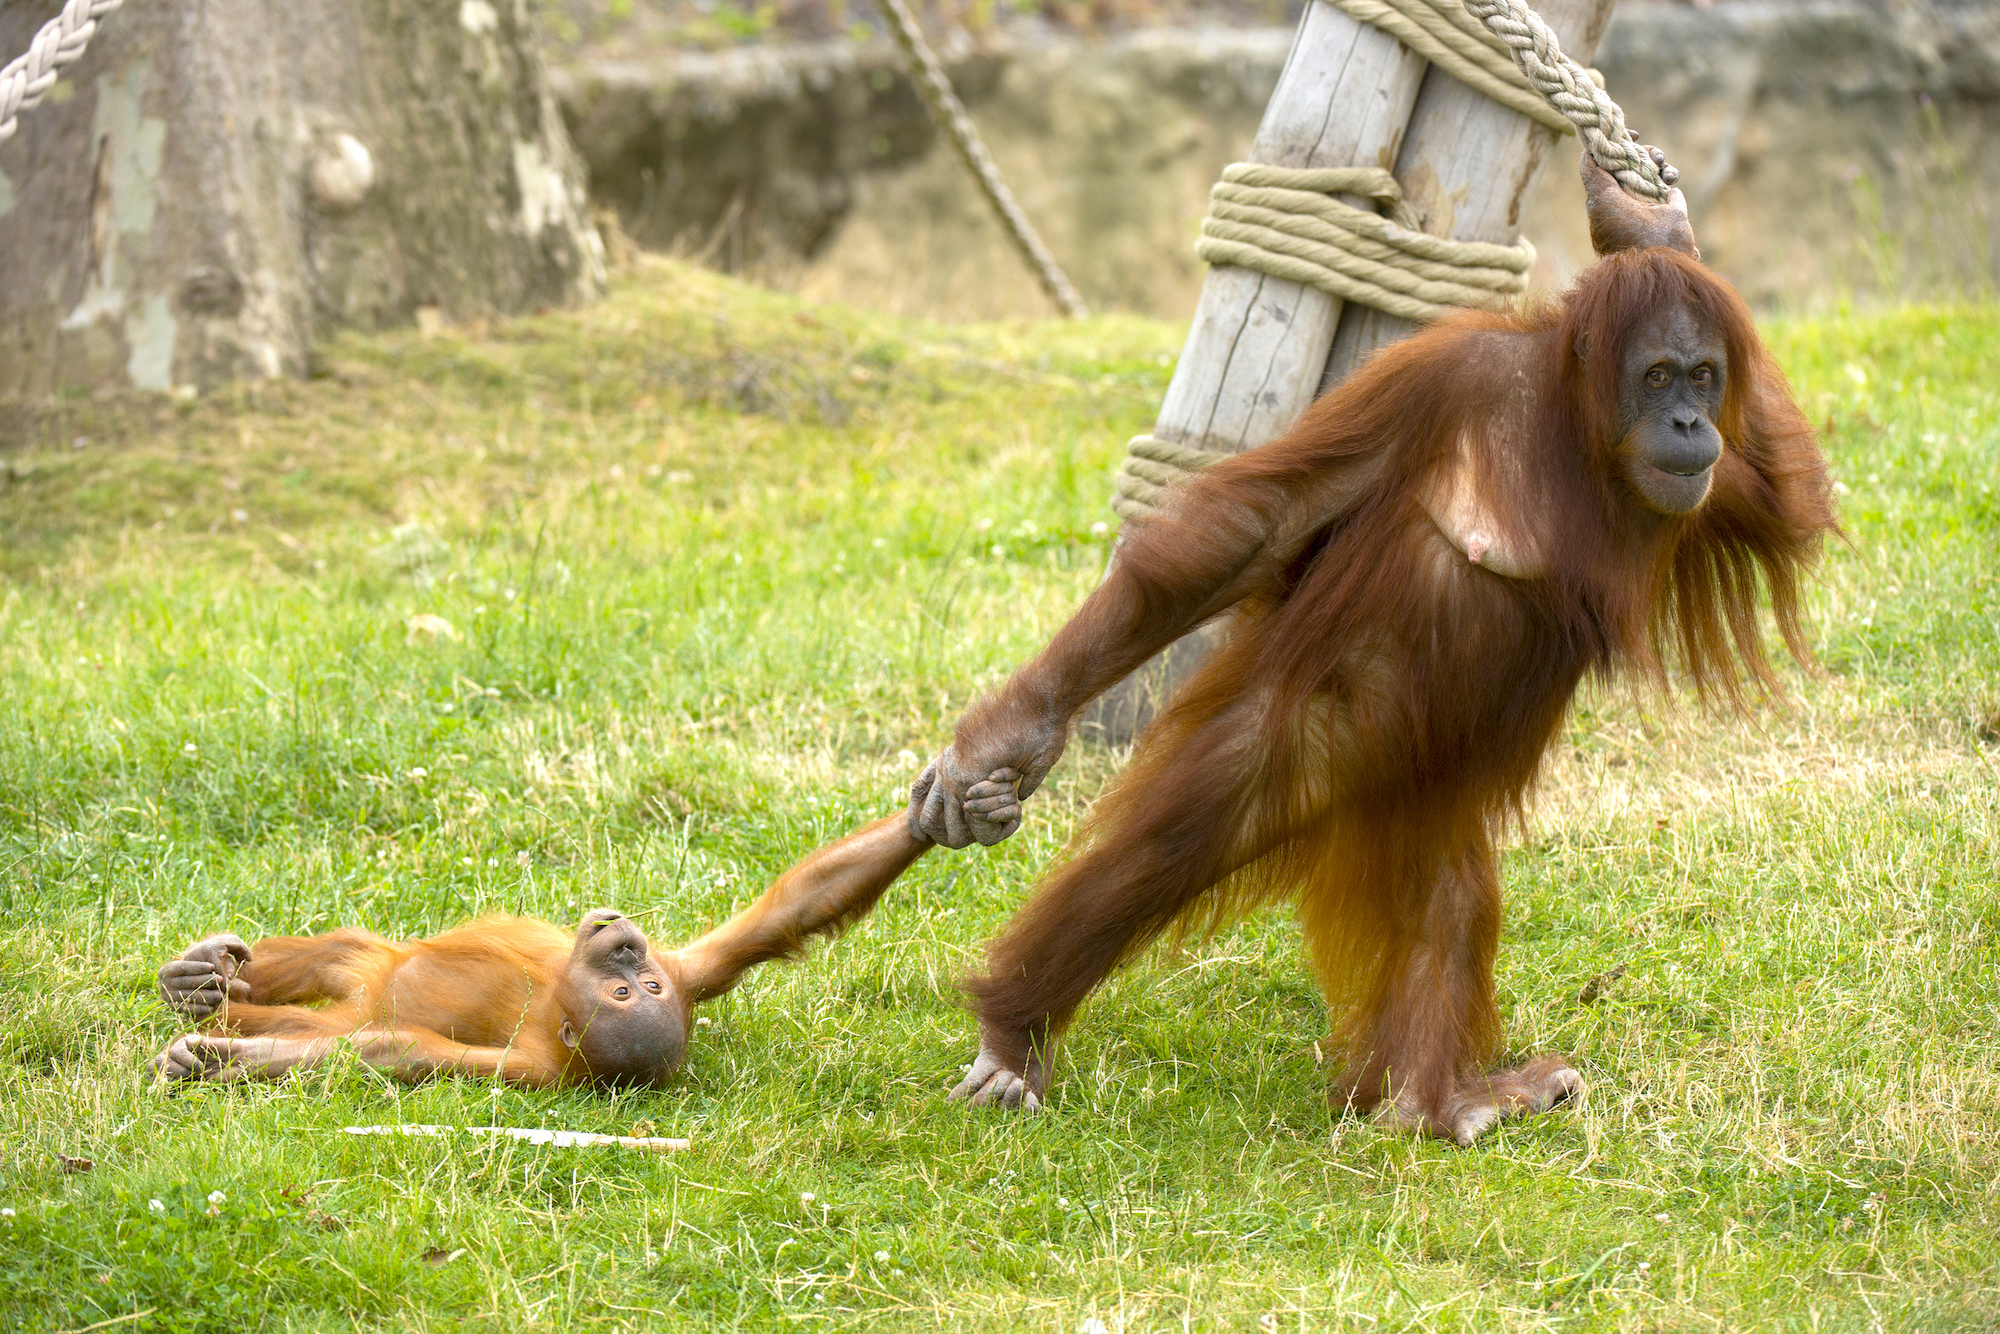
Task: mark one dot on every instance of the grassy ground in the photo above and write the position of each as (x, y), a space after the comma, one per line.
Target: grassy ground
(718, 569)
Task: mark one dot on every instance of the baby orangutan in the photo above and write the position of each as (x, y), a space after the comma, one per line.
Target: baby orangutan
(510, 998)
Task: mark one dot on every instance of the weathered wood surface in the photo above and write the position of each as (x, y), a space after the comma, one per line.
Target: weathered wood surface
(1254, 351)
(1466, 167)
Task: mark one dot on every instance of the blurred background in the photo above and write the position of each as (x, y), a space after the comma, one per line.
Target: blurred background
(1830, 149)
(218, 185)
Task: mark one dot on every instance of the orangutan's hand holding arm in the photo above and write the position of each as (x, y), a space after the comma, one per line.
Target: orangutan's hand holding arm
(1227, 534)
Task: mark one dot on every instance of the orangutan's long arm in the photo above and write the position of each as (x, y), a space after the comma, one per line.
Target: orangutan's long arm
(819, 896)
(1228, 534)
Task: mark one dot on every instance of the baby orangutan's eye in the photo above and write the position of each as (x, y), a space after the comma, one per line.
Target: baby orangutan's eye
(652, 986)
(622, 992)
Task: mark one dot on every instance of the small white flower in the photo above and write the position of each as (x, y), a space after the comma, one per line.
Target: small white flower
(652, 1257)
(217, 1197)
(1663, 1218)
(881, 1257)
(1644, 1265)
(241, 516)
(1100, 528)
(1061, 1203)
(418, 774)
(1093, 1326)
(6, 1213)
(156, 1206)
(188, 749)
(807, 1197)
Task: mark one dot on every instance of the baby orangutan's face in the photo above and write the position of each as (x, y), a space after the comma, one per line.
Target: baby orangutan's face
(622, 1013)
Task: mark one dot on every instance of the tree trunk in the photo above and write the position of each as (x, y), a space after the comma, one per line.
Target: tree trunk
(217, 184)
(1261, 348)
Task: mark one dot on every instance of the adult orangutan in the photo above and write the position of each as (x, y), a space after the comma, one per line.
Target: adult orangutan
(509, 998)
(1422, 571)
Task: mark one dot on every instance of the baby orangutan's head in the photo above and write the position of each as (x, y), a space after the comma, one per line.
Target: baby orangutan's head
(622, 1013)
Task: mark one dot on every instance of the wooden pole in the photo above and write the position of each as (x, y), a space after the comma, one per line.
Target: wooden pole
(1255, 350)
(1257, 346)
(1262, 348)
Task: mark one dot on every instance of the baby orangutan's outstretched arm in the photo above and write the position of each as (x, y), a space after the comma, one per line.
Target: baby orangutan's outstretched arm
(820, 896)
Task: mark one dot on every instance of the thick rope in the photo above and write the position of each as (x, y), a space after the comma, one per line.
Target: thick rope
(25, 80)
(1151, 469)
(949, 115)
(1283, 221)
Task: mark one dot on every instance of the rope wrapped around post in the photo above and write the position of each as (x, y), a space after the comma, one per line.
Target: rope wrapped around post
(1283, 221)
(1151, 469)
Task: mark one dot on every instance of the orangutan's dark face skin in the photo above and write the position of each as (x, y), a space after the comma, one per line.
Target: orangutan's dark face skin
(1670, 393)
(623, 1014)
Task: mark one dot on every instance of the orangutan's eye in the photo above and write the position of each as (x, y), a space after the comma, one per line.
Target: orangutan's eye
(1657, 376)
(652, 986)
(622, 992)
(1702, 375)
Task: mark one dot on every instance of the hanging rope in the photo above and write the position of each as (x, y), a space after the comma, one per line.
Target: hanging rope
(25, 80)
(1284, 222)
(949, 115)
(1503, 49)
(1448, 37)
(1569, 89)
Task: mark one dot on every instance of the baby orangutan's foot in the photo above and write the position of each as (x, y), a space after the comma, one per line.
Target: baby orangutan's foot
(207, 973)
(221, 1058)
(1484, 1101)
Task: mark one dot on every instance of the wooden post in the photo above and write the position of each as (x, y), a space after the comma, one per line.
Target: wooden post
(1256, 349)
(1253, 354)
(1261, 349)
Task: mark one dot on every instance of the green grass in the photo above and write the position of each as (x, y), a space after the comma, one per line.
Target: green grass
(721, 567)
